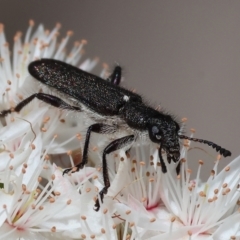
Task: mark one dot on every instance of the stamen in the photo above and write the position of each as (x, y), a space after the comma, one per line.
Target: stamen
(66, 142)
(62, 45)
(190, 235)
(7, 213)
(85, 225)
(69, 153)
(125, 229)
(6, 176)
(74, 55)
(104, 73)
(171, 225)
(150, 190)
(192, 214)
(49, 146)
(88, 64)
(29, 31)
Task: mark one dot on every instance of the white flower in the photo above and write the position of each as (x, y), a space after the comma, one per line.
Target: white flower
(16, 84)
(167, 206)
(27, 141)
(32, 210)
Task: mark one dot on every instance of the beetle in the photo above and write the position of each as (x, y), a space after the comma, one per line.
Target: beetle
(113, 108)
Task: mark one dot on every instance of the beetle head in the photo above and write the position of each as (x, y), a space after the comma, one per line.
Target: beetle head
(165, 132)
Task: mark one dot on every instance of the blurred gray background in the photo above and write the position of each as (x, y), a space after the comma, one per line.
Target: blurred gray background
(184, 55)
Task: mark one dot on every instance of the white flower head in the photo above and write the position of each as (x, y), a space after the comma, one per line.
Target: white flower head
(17, 85)
(28, 138)
(171, 206)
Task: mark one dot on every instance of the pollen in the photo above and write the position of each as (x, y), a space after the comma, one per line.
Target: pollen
(31, 22)
(33, 146)
(152, 219)
(212, 172)
(105, 211)
(227, 169)
(132, 224)
(46, 119)
(24, 188)
(192, 130)
(1, 27)
(224, 185)
(184, 120)
(51, 200)
(202, 194)
(216, 191)
(78, 135)
(95, 148)
(128, 212)
(200, 162)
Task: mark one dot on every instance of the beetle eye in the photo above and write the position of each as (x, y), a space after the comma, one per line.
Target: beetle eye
(155, 130)
(158, 137)
(155, 134)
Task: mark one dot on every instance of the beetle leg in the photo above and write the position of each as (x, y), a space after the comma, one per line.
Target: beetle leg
(163, 165)
(47, 98)
(178, 168)
(115, 77)
(113, 146)
(97, 128)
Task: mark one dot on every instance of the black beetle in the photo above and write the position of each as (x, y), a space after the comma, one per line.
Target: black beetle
(113, 108)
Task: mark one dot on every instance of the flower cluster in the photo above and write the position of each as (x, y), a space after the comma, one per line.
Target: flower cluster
(38, 202)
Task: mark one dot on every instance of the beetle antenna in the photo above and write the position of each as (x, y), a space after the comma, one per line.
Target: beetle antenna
(218, 148)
